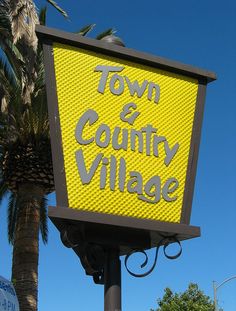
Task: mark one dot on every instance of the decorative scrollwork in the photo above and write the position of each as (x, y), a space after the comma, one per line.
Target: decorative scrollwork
(172, 240)
(166, 241)
(92, 256)
(66, 240)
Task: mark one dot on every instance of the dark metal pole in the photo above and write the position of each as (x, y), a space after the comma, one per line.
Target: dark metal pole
(112, 281)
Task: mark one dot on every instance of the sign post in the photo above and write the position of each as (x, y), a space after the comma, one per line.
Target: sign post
(112, 281)
(125, 132)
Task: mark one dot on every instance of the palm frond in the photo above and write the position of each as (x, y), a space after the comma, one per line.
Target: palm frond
(39, 68)
(13, 52)
(12, 217)
(58, 8)
(85, 30)
(23, 20)
(9, 75)
(44, 220)
(5, 22)
(14, 57)
(3, 190)
(43, 16)
(8, 83)
(105, 33)
(41, 122)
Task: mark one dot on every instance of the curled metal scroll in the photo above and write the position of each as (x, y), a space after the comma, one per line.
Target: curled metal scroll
(166, 242)
(66, 240)
(92, 256)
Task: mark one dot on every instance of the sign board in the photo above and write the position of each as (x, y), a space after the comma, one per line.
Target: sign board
(125, 128)
(8, 298)
(126, 134)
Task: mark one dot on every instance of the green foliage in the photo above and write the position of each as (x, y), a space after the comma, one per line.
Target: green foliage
(26, 173)
(21, 125)
(58, 8)
(86, 29)
(105, 33)
(193, 299)
(24, 126)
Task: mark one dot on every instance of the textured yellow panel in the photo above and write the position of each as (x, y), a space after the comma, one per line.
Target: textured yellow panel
(77, 89)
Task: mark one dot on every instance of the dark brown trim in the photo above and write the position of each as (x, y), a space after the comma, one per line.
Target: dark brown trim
(55, 128)
(45, 33)
(123, 221)
(48, 37)
(193, 155)
(124, 233)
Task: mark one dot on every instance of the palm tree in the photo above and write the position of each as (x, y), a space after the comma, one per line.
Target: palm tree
(25, 156)
(26, 174)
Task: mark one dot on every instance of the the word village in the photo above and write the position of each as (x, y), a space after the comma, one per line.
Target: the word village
(144, 140)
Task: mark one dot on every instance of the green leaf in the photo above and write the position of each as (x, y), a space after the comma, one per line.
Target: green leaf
(58, 8)
(43, 16)
(191, 299)
(13, 56)
(12, 217)
(105, 33)
(3, 190)
(85, 30)
(43, 220)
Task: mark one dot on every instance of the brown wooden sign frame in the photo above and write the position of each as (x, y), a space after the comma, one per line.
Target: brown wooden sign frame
(97, 227)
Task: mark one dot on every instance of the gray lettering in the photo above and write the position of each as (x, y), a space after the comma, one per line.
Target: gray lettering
(115, 139)
(89, 116)
(122, 174)
(156, 141)
(155, 184)
(170, 153)
(136, 88)
(152, 86)
(135, 184)
(128, 111)
(139, 135)
(85, 176)
(166, 189)
(113, 167)
(103, 173)
(105, 72)
(103, 129)
(114, 81)
(148, 130)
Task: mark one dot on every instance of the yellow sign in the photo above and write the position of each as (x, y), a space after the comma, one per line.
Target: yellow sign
(126, 133)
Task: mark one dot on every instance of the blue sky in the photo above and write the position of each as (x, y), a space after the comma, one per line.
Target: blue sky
(199, 33)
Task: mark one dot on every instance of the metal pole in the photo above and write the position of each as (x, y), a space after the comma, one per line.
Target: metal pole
(215, 297)
(215, 288)
(112, 281)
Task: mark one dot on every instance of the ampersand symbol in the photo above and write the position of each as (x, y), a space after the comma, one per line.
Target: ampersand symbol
(128, 115)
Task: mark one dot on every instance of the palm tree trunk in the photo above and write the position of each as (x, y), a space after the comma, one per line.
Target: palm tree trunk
(26, 246)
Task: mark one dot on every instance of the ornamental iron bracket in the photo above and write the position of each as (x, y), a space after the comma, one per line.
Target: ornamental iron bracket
(93, 256)
(166, 241)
